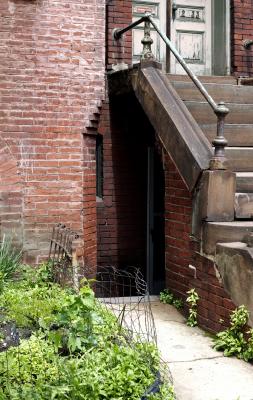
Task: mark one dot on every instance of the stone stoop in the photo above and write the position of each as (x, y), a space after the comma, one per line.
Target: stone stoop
(229, 243)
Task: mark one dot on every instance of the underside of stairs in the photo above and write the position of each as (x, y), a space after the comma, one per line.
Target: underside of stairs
(186, 125)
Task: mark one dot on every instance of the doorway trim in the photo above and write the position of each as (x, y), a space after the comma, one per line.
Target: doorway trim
(221, 37)
(224, 69)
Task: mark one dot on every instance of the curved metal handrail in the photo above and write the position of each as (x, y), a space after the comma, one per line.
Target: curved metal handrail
(219, 143)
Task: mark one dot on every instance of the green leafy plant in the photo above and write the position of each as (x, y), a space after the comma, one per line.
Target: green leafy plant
(32, 307)
(74, 325)
(77, 350)
(111, 371)
(10, 259)
(192, 300)
(236, 341)
(167, 297)
(44, 274)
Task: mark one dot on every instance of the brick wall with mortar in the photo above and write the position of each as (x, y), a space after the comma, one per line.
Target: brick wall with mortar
(241, 29)
(52, 58)
(214, 306)
(122, 211)
(119, 15)
(120, 242)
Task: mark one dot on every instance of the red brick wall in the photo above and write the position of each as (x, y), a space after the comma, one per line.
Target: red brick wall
(241, 29)
(119, 15)
(117, 241)
(52, 81)
(122, 212)
(214, 306)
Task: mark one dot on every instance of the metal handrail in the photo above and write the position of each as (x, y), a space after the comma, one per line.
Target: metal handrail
(219, 143)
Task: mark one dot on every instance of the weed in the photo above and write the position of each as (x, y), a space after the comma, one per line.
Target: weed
(9, 260)
(167, 297)
(192, 300)
(234, 341)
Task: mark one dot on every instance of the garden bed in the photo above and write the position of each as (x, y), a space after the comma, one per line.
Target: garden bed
(60, 344)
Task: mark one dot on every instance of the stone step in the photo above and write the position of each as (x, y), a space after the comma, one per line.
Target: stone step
(236, 135)
(229, 79)
(238, 113)
(219, 92)
(244, 205)
(240, 159)
(234, 261)
(244, 182)
(215, 232)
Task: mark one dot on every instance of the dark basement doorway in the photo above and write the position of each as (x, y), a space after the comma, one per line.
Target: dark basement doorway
(155, 260)
(133, 172)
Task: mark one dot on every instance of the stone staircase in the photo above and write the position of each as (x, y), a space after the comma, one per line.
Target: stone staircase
(238, 129)
(229, 243)
(222, 199)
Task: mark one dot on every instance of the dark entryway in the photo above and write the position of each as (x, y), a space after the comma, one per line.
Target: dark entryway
(155, 221)
(133, 194)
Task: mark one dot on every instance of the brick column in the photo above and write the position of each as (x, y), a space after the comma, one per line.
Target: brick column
(119, 15)
(89, 202)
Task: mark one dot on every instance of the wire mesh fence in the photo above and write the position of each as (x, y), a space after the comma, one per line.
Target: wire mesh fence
(125, 293)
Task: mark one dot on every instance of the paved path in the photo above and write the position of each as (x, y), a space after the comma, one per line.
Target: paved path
(198, 371)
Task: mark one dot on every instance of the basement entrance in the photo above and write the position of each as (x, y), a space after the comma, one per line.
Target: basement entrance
(131, 212)
(155, 274)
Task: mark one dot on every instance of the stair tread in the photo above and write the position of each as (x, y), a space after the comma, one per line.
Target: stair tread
(228, 104)
(236, 134)
(203, 113)
(235, 224)
(245, 174)
(244, 182)
(229, 79)
(229, 93)
(242, 194)
(245, 148)
(240, 159)
(234, 245)
(219, 232)
(232, 104)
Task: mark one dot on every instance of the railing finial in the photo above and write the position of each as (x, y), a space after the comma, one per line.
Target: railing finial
(219, 143)
(147, 41)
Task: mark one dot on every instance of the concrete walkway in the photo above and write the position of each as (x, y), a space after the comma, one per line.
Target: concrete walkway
(198, 371)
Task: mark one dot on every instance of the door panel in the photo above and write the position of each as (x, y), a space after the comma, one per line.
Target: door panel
(191, 28)
(158, 10)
